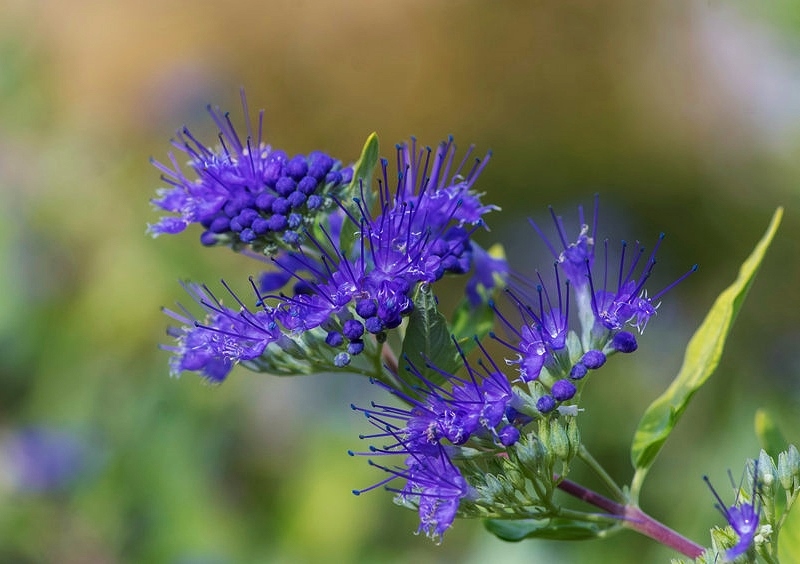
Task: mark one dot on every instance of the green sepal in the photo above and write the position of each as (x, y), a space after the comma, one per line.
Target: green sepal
(701, 359)
(427, 339)
(360, 187)
(553, 528)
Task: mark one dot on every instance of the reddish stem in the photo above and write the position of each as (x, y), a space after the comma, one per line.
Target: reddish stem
(634, 518)
(389, 359)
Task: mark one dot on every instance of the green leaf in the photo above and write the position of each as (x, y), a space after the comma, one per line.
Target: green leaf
(471, 321)
(428, 338)
(770, 437)
(362, 170)
(701, 359)
(554, 528)
(789, 538)
(362, 177)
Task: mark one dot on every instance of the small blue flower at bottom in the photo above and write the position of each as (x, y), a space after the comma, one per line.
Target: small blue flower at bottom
(742, 517)
(434, 424)
(433, 484)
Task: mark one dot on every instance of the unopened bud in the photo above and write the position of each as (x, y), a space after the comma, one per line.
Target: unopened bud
(785, 472)
(574, 437)
(766, 469)
(559, 441)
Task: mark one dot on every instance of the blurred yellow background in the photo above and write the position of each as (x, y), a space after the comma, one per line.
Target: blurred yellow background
(684, 115)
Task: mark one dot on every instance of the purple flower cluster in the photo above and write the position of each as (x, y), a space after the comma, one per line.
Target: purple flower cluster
(477, 406)
(421, 232)
(244, 192)
(603, 309)
(355, 257)
(223, 338)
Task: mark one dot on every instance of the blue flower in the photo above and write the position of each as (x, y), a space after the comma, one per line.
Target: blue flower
(243, 191)
(222, 339)
(743, 517)
(577, 256)
(42, 458)
(490, 272)
(543, 331)
(433, 484)
(417, 233)
(612, 305)
(449, 414)
(539, 339)
(449, 194)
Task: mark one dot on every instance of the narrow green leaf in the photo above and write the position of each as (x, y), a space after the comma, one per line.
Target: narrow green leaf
(554, 529)
(701, 359)
(362, 177)
(770, 437)
(428, 339)
(363, 169)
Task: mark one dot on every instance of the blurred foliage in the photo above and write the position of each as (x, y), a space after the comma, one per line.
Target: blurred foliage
(684, 115)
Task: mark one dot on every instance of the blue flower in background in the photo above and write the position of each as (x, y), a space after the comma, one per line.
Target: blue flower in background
(44, 459)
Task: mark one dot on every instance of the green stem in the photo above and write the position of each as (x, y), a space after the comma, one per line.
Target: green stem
(598, 469)
(583, 516)
(636, 485)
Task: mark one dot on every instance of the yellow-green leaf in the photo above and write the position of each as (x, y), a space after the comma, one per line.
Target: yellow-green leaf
(360, 188)
(789, 539)
(701, 359)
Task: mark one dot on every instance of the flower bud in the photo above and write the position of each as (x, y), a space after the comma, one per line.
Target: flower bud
(530, 451)
(793, 457)
(766, 469)
(559, 441)
(785, 471)
(574, 436)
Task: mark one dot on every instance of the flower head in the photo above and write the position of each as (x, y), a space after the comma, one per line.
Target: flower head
(447, 415)
(542, 339)
(243, 191)
(417, 233)
(575, 256)
(222, 339)
(542, 334)
(743, 517)
(610, 304)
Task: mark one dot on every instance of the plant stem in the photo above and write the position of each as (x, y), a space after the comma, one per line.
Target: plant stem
(609, 482)
(389, 358)
(634, 518)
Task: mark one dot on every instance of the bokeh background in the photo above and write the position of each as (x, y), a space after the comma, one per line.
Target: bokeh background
(684, 115)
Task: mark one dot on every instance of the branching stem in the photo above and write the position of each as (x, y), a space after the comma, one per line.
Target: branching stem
(634, 518)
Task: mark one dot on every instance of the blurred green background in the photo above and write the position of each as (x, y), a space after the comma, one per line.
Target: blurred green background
(684, 115)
